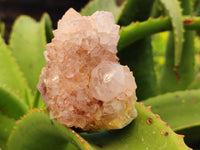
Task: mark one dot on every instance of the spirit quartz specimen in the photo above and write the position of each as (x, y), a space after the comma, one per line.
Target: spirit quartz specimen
(83, 84)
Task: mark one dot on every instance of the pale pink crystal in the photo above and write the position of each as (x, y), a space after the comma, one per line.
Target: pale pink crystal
(83, 85)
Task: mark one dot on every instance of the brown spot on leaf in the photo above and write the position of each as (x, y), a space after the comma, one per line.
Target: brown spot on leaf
(165, 133)
(193, 100)
(30, 66)
(177, 74)
(188, 21)
(177, 96)
(149, 121)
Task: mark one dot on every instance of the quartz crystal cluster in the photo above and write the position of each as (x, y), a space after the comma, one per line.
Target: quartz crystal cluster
(83, 84)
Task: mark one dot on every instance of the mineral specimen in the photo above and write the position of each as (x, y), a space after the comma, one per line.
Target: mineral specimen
(83, 84)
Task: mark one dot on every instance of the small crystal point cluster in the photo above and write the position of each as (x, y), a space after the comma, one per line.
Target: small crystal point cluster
(83, 84)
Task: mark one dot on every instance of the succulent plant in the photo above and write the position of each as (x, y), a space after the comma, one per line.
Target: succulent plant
(162, 120)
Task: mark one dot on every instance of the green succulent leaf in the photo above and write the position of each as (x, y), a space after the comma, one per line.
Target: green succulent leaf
(11, 105)
(41, 133)
(195, 84)
(175, 12)
(38, 101)
(2, 28)
(27, 42)
(48, 26)
(98, 5)
(11, 109)
(147, 131)
(139, 30)
(6, 125)
(11, 76)
(70, 146)
(180, 110)
(135, 10)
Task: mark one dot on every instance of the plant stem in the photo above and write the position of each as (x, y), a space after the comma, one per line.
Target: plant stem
(138, 30)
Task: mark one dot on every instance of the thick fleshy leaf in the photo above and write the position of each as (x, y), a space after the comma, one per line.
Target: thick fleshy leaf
(135, 10)
(37, 132)
(11, 76)
(48, 26)
(38, 101)
(11, 108)
(11, 105)
(2, 28)
(105, 5)
(146, 132)
(196, 83)
(139, 30)
(27, 42)
(6, 126)
(175, 12)
(181, 111)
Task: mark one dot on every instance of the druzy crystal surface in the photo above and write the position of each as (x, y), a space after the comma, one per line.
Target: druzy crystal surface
(83, 84)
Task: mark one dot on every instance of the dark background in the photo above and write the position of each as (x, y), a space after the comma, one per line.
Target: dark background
(11, 9)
